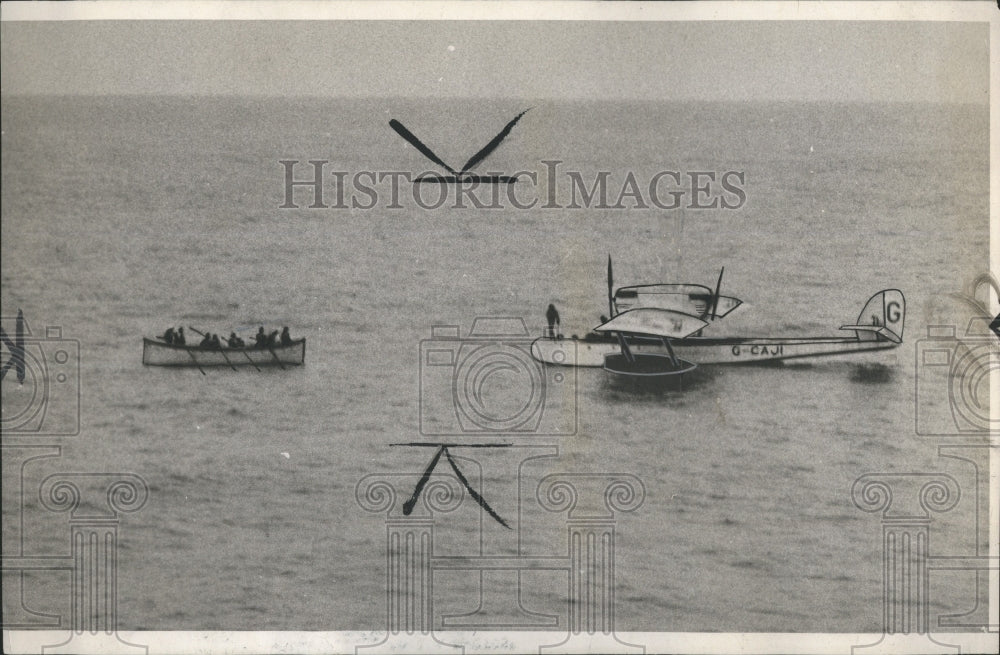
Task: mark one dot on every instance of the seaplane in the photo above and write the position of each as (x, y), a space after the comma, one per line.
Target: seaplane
(462, 175)
(655, 330)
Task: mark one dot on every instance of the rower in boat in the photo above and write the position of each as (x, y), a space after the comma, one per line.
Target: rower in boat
(260, 338)
(168, 336)
(213, 353)
(179, 337)
(206, 341)
(272, 339)
(235, 341)
(286, 339)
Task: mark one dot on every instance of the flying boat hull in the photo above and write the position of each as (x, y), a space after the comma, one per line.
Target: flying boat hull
(704, 350)
(646, 365)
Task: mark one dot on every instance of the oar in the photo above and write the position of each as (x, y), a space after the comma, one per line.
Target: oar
(245, 354)
(191, 354)
(276, 358)
(222, 352)
(225, 357)
(194, 359)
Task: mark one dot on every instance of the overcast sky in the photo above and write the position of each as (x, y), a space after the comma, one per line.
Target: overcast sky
(821, 60)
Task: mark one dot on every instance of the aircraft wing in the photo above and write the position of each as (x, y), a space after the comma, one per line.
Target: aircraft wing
(725, 305)
(686, 298)
(654, 321)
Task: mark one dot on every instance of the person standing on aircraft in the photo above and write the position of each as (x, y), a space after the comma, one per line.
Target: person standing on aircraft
(552, 316)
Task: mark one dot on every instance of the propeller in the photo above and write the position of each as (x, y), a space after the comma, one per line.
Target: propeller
(476, 158)
(418, 144)
(611, 307)
(492, 145)
(422, 482)
(611, 310)
(715, 296)
(442, 449)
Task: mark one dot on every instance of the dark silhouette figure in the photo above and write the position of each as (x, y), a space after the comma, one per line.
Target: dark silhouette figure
(552, 316)
(261, 338)
(168, 336)
(179, 337)
(286, 339)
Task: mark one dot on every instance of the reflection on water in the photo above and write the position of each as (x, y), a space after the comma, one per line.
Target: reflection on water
(872, 374)
(666, 388)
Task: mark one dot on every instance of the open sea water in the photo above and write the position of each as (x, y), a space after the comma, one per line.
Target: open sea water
(125, 215)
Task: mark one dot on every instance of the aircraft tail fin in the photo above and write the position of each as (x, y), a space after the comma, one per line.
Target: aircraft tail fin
(882, 318)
